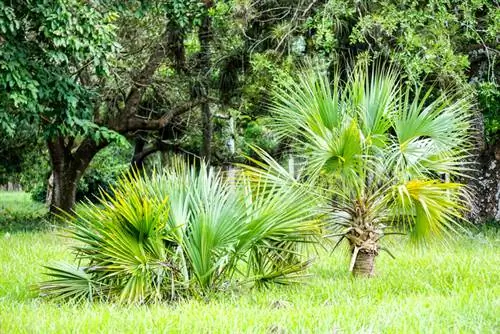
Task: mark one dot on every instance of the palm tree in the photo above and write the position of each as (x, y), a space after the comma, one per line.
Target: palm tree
(379, 153)
(183, 232)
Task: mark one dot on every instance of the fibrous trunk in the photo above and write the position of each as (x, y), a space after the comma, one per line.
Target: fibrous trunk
(364, 242)
(364, 263)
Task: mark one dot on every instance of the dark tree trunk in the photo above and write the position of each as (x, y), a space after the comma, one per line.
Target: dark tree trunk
(137, 162)
(68, 165)
(485, 186)
(205, 36)
(484, 181)
(206, 150)
(64, 189)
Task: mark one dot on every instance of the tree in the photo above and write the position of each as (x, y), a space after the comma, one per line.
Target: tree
(83, 74)
(450, 44)
(381, 154)
(63, 70)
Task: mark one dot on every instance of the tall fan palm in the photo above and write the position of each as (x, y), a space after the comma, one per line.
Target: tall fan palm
(183, 232)
(381, 154)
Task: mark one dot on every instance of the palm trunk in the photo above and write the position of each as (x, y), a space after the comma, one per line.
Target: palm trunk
(364, 241)
(364, 263)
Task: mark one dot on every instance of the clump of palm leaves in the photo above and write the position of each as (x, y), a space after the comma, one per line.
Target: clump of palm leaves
(380, 155)
(183, 232)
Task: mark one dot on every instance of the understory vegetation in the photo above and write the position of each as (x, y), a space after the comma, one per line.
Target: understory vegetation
(184, 231)
(451, 288)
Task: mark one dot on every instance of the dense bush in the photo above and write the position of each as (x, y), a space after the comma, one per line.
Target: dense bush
(184, 232)
(488, 94)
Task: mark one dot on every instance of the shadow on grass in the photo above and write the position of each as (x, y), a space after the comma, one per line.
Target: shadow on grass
(13, 222)
(20, 213)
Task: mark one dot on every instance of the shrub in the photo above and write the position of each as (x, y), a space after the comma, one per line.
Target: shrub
(184, 232)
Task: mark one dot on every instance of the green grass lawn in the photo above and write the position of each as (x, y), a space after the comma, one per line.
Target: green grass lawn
(453, 289)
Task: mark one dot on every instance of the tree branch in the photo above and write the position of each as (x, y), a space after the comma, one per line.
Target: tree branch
(136, 123)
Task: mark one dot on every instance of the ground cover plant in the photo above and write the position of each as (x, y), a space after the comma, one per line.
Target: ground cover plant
(183, 232)
(384, 157)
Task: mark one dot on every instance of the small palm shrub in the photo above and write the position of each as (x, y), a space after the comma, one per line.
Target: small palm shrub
(180, 233)
(379, 155)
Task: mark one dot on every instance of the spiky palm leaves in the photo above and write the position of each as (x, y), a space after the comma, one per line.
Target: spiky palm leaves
(377, 151)
(183, 232)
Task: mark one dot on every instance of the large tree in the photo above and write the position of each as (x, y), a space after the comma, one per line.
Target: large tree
(78, 72)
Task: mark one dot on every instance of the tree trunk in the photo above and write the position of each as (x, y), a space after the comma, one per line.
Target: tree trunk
(485, 186)
(49, 198)
(364, 264)
(364, 243)
(206, 150)
(68, 165)
(137, 162)
(64, 191)
(205, 36)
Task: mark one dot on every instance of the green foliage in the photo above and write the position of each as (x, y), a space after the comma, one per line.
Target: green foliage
(375, 151)
(19, 213)
(44, 48)
(258, 133)
(104, 171)
(183, 232)
(489, 101)
(425, 38)
(185, 13)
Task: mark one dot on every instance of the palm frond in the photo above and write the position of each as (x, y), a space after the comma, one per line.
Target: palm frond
(71, 282)
(428, 206)
(182, 232)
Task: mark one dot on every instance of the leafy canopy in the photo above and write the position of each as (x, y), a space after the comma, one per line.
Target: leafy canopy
(45, 46)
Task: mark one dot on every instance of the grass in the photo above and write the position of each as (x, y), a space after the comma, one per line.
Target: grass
(18, 212)
(433, 290)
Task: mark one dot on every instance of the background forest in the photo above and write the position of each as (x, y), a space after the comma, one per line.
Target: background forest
(91, 88)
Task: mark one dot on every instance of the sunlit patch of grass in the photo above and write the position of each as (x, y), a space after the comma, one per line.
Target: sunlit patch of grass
(437, 289)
